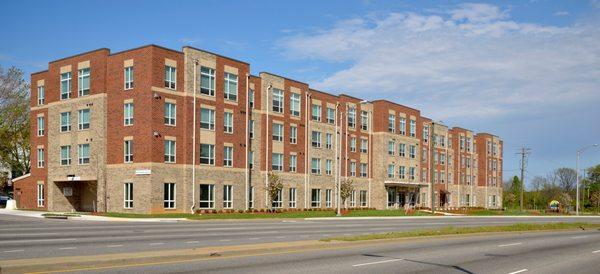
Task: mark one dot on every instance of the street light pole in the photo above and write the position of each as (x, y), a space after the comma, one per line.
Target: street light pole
(577, 174)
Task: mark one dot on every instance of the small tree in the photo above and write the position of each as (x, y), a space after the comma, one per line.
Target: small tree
(346, 188)
(595, 200)
(275, 186)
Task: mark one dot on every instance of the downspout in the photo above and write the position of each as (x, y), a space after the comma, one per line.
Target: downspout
(194, 140)
(267, 137)
(247, 137)
(306, 157)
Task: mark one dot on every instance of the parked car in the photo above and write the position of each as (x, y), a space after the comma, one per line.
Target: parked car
(3, 199)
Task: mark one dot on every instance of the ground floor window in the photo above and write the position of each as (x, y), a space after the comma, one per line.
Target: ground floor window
(40, 195)
(468, 199)
(363, 198)
(207, 196)
(353, 199)
(169, 195)
(227, 196)
(128, 195)
(277, 201)
(315, 198)
(328, 197)
(251, 197)
(293, 197)
(391, 197)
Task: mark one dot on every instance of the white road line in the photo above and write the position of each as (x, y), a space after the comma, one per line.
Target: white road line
(379, 262)
(518, 271)
(157, 243)
(192, 242)
(68, 248)
(40, 240)
(253, 238)
(11, 251)
(597, 251)
(326, 235)
(224, 240)
(114, 245)
(509, 244)
(280, 237)
(578, 237)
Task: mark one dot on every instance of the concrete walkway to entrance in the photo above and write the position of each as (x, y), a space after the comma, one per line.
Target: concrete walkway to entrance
(83, 217)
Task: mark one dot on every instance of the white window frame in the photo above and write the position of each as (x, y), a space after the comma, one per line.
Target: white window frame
(170, 77)
(392, 123)
(83, 75)
(210, 158)
(170, 114)
(402, 128)
(391, 148)
(40, 195)
(315, 203)
(364, 145)
(128, 78)
(228, 122)
(40, 158)
(65, 160)
(82, 124)
(293, 197)
(295, 100)
(364, 120)
(351, 117)
(413, 128)
(65, 125)
(277, 100)
(207, 119)
(210, 202)
(278, 201)
(128, 151)
(277, 130)
(65, 85)
(315, 112)
(230, 93)
(40, 126)
(170, 195)
(328, 140)
(293, 163)
(128, 195)
(353, 169)
(328, 166)
(227, 156)
(328, 195)
(353, 144)
(330, 115)
(315, 165)
(277, 165)
(41, 91)
(207, 74)
(364, 170)
(83, 159)
(353, 198)
(170, 151)
(227, 196)
(128, 110)
(293, 134)
(363, 198)
(315, 138)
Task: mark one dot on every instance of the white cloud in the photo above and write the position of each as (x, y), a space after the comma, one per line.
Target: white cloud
(470, 60)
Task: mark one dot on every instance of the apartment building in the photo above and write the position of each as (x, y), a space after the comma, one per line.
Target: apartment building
(154, 130)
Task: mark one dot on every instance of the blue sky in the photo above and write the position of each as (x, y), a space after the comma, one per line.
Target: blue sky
(528, 71)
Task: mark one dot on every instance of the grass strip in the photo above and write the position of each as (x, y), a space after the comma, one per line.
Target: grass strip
(451, 230)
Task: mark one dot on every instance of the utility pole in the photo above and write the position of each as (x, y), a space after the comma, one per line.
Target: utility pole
(431, 167)
(524, 151)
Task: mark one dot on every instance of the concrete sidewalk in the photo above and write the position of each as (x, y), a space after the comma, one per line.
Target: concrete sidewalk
(83, 217)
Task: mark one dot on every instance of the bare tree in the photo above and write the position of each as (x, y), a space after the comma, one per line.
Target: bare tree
(14, 121)
(566, 178)
(346, 188)
(275, 186)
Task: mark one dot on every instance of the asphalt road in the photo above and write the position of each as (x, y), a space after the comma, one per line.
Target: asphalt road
(22, 237)
(547, 252)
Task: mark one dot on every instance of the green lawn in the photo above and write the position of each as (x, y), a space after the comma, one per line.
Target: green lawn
(450, 230)
(282, 215)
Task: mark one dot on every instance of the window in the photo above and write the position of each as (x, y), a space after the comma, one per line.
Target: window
(65, 155)
(315, 197)
(228, 122)
(207, 154)
(424, 155)
(413, 128)
(316, 139)
(170, 151)
(330, 115)
(292, 197)
(251, 129)
(128, 195)
(277, 132)
(169, 195)
(316, 113)
(424, 175)
(391, 147)
(293, 134)
(65, 85)
(228, 156)
(392, 123)
(351, 117)
(170, 114)
(251, 159)
(426, 134)
(402, 126)
(363, 198)
(277, 161)
(170, 77)
(364, 145)
(65, 121)
(328, 165)
(363, 170)
(251, 198)
(83, 153)
(128, 151)
(251, 98)
(277, 201)
(328, 197)
(364, 120)
(294, 104)
(40, 126)
(128, 114)
(40, 195)
(128, 78)
(278, 100)
(293, 163)
(391, 171)
(207, 81)
(328, 140)
(40, 158)
(227, 196)
(83, 119)
(401, 172)
(231, 86)
(353, 199)
(353, 169)
(353, 144)
(207, 118)
(41, 95)
(315, 166)
(412, 152)
(402, 150)
(411, 173)
(207, 196)
(83, 82)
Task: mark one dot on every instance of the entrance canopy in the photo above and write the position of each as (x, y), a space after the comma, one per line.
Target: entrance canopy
(405, 184)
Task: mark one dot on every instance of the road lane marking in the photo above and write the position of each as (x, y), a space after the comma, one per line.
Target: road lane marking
(157, 243)
(597, 251)
(114, 245)
(509, 244)
(253, 238)
(379, 262)
(518, 271)
(192, 242)
(40, 240)
(11, 251)
(578, 237)
(68, 248)
(280, 237)
(224, 240)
